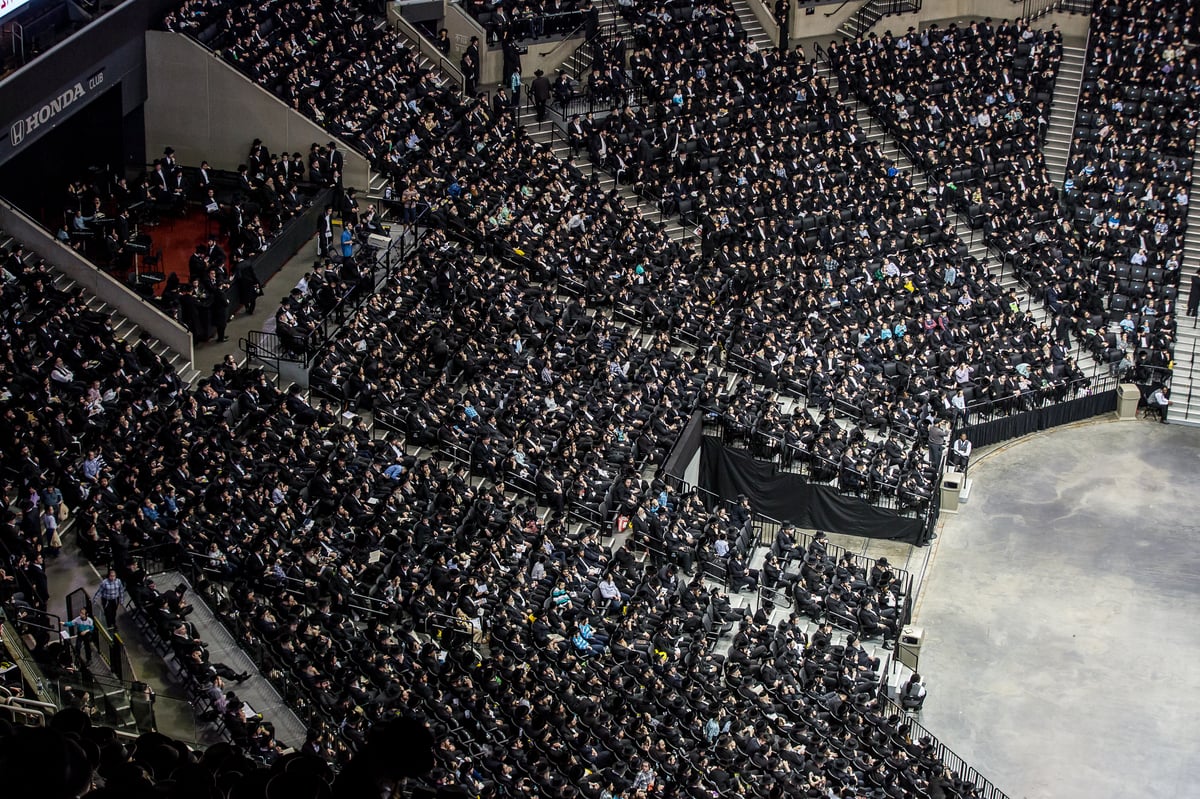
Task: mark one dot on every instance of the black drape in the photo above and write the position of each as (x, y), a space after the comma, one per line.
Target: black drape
(1020, 424)
(727, 472)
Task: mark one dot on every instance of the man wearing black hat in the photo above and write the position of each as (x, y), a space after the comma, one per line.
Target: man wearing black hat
(335, 161)
(470, 67)
(500, 102)
(564, 91)
(540, 89)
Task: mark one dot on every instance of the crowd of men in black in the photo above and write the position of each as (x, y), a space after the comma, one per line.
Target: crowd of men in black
(756, 147)
(327, 548)
(492, 343)
(112, 223)
(930, 298)
(219, 526)
(334, 62)
(1132, 161)
(971, 105)
(285, 508)
(73, 757)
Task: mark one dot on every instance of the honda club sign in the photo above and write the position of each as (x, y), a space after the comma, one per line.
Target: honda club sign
(46, 113)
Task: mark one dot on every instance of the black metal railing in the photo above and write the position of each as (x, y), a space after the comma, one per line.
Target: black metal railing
(428, 48)
(986, 410)
(1032, 9)
(591, 51)
(984, 789)
(870, 13)
(1190, 370)
(277, 347)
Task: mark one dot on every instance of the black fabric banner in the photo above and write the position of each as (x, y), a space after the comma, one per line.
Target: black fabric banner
(727, 472)
(1022, 424)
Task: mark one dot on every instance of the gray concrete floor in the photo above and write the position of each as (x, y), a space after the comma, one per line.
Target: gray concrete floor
(1061, 643)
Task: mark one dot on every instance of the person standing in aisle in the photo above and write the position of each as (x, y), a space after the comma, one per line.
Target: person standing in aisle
(937, 442)
(348, 243)
(109, 595)
(469, 63)
(540, 89)
(83, 629)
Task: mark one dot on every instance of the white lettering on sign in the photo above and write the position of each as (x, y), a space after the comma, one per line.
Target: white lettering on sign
(28, 124)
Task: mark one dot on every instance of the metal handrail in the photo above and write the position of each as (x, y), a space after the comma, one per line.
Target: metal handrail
(984, 787)
(274, 347)
(861, 19)
(1032, 9)
(603, 33)
(1087, 51)
(429, 49)
(893, 502)
(1043, 396)
(27, 716)
(1191, 367)
(31, 671)
(270, 347)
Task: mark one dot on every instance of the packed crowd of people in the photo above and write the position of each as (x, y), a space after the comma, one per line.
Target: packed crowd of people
(73, 757)
(282, 504)
(906, 263)
(534, 338)
(1131, 162)
(67, 383)
(112, 223)
(336, 63)
(971, 105)
(522, 384)
(756, 147)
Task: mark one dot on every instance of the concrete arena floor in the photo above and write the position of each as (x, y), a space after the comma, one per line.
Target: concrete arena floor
(1062, 615)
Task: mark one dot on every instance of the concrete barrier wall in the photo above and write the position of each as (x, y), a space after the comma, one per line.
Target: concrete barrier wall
(546, 56)
(764, 12)
(207, 110)
(817, 24)
(107, 288)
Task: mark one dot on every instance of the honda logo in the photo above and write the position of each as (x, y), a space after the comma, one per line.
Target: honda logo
(48, 111)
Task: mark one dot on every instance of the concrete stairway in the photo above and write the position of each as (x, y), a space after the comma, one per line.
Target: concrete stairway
(862, 20)
(122, 327)
(1184, 380)
(577, 64)
(751, 24)
(1057, 148)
